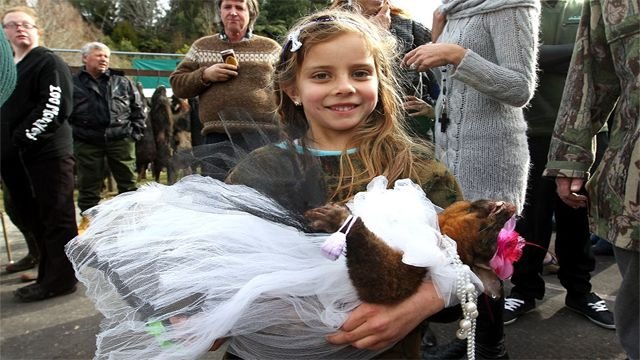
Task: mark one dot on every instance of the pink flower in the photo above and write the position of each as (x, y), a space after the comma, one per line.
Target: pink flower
(508, 251)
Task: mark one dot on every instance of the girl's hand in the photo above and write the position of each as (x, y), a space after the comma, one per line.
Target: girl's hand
(431, 55)
(437, 26)
(220, 72)
(417, 107)
(376, 327)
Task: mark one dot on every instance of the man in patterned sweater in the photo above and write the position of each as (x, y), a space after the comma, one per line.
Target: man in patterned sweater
(235, 96)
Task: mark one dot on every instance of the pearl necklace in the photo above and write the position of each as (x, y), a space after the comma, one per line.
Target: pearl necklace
(467, 294)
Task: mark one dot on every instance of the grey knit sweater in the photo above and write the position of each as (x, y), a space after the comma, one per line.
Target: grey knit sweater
(485, 143)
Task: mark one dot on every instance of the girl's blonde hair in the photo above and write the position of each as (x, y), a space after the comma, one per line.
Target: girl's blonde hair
(384, 148)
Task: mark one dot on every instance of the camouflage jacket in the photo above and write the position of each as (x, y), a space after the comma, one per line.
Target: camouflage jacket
(603, 77)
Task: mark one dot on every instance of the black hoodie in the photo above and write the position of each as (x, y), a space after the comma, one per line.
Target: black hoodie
(34, 118)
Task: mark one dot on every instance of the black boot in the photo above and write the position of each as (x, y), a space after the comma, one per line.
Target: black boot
(429, 339)
(489, 335)
(457, 349)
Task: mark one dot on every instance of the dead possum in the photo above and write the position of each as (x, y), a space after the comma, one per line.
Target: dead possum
(377, 271)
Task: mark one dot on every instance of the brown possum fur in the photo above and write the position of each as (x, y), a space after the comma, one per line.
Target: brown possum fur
(377, 271)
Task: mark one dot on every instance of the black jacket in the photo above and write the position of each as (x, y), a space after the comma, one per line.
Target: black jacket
(34, 119)
(123, 109)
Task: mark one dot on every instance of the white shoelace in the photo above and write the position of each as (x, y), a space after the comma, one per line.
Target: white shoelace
(596, 306)
(512, 304)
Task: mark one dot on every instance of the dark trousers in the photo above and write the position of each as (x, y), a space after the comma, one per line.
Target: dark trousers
(118, 155)
(42, 196)
(572, 244)
(21, 224)
(489, 324)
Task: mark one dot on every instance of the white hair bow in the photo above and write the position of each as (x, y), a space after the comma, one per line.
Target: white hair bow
(295, 41)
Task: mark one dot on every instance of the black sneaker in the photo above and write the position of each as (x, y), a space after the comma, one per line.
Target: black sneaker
(428, 338)
(516, 306)
(593, 307)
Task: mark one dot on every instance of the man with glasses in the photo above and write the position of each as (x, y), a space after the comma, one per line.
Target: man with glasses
(15, 26)
(37, 153)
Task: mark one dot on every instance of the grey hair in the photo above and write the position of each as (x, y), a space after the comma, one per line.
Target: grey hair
(89, 47)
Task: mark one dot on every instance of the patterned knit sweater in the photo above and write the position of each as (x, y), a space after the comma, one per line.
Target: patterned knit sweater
(239, 101)
(485, 143)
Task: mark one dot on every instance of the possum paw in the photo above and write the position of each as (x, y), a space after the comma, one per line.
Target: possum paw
(327, 218)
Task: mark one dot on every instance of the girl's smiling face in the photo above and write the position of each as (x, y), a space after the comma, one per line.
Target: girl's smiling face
(337, 86)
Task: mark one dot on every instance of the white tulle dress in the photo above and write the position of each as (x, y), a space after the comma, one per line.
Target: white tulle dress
(173, 268)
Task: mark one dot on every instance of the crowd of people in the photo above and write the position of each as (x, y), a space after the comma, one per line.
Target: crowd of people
(499, 100)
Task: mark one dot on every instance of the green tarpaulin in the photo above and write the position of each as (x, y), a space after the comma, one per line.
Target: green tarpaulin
(152, 82)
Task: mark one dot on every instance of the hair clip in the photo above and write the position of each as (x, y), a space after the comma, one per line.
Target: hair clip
(294, 36)
(295, 41)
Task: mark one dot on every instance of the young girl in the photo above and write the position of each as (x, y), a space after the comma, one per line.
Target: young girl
(204, 260)
(338, 100)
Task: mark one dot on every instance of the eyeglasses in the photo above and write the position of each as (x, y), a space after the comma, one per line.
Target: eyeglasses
(14, 25)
